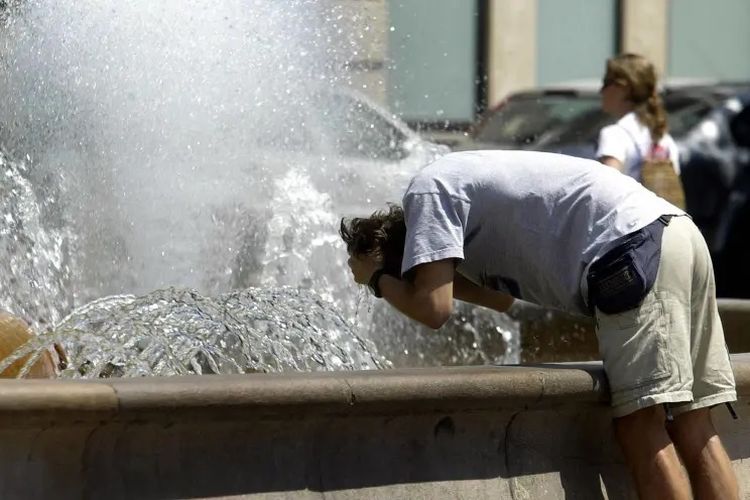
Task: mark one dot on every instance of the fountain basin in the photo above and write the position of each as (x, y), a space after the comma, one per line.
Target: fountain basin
(536, 432)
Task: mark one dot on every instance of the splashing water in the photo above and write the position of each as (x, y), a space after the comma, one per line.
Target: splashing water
(180, 332)
(207, 146)
(34, 262)
(178, 110)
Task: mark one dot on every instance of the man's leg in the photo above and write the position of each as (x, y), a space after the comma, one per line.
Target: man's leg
(710, 469)
(651, 455)
(693, 431)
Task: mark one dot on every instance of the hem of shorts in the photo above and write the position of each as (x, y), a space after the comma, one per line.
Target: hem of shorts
(628, 407)
(712, 400)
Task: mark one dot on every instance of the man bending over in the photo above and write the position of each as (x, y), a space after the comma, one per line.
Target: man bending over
(489, 226)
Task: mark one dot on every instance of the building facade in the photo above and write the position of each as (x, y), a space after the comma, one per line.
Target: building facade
(445, 60)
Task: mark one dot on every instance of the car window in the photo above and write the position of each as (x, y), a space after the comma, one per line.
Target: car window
(684, 113)
(522, 120)
(584, 128)
(355, 129)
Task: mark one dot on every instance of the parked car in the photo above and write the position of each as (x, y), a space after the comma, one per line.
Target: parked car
(715, 156)
(567, 118)
(709, 124)
(370, 153)
(545, 119)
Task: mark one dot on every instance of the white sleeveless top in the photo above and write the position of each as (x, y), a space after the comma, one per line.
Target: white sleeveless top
(628, 141)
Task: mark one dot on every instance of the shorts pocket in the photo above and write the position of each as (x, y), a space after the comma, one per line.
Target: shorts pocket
(633, 346)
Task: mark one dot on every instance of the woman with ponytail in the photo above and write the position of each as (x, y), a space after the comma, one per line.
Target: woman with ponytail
(629, 94)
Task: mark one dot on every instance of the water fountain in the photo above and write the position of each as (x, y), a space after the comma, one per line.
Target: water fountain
(166, 211)
(208, 149)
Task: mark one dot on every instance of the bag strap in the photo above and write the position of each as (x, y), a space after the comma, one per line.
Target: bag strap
(641, 156)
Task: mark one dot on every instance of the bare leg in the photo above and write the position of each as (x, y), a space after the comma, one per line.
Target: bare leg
(698, 444)
(651, 455)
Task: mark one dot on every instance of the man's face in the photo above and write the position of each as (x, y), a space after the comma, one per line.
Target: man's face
(362, 267)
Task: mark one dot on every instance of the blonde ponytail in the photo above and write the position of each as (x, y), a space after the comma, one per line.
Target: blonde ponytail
(639, 75)
(653, 115)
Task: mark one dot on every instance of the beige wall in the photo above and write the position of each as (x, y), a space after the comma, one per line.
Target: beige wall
(511, 54)
(645, 30)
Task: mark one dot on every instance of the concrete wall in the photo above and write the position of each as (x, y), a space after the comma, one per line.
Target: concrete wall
(709, 39)
(511, 51)
(574, 39)
(477, 432)
(432, 60)
(645, 30)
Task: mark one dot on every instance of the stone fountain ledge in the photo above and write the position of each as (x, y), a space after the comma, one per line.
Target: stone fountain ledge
(323, 393)
(503, 432)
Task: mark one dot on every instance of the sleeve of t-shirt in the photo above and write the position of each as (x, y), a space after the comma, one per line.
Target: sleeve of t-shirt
(434, 228)
(613, 142)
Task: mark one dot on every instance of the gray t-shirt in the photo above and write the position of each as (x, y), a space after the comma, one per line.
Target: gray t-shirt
(522, 222)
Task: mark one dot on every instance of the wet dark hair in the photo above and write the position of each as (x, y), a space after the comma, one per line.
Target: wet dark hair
(381, 235)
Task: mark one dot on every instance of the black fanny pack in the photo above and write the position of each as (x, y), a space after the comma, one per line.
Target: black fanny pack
(621, 278)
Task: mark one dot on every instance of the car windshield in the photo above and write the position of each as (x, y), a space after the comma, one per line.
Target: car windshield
(345, 124)
(523, 119)
(685, 112)
(355, 129)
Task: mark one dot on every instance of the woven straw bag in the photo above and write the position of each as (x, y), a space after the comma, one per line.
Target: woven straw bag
(658, 174)
(660, 177)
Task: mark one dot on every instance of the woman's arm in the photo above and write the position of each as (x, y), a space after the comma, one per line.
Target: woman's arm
(612, 146)
(612, 162)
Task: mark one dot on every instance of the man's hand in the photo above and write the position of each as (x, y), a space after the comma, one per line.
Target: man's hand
(363, 266)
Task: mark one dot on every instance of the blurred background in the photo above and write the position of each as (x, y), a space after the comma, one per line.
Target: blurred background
(526, 75)
(442, 61)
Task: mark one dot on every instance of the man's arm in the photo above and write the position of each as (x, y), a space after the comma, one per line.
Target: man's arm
(429, 298)
(466, 291)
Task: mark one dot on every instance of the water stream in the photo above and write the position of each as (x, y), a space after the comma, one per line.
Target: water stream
(173, 174)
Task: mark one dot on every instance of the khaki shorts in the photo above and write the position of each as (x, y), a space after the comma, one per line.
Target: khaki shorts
(671, 348)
